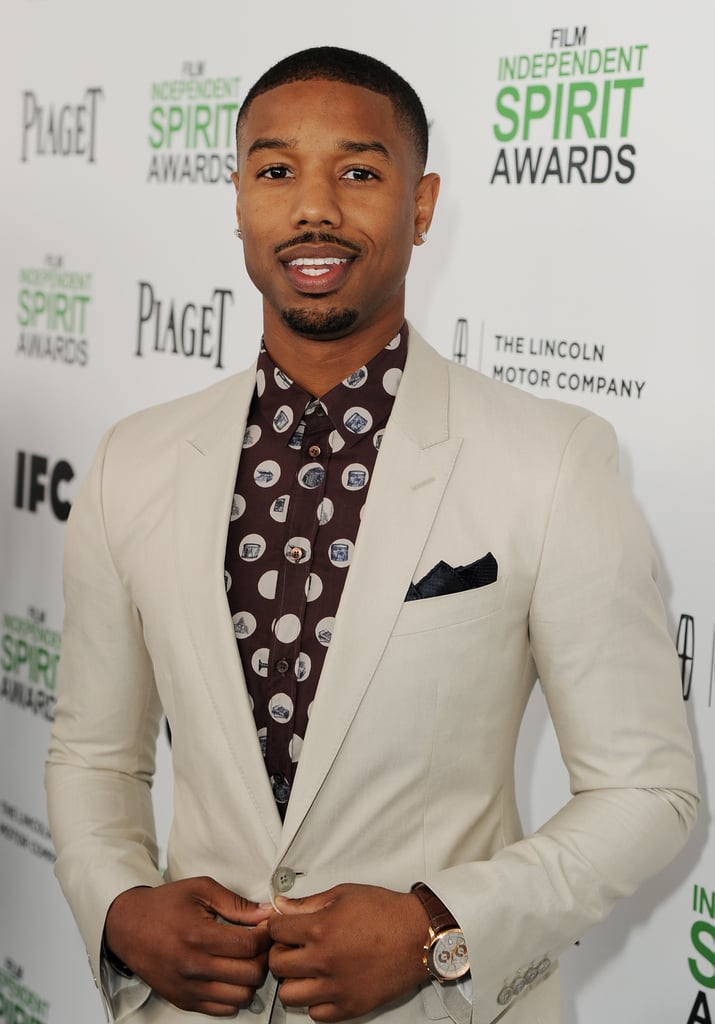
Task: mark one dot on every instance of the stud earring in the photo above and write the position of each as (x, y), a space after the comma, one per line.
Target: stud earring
(238, 233)
(422, 237)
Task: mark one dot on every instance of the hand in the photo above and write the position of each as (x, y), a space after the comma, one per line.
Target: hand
(349, 950)
(170, 937)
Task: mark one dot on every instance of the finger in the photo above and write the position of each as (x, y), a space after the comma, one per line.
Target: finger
(237, 942)
(290, 962)
(243, 975)
(231, 906)
(293, 930)
(305, 904)
(300, 992)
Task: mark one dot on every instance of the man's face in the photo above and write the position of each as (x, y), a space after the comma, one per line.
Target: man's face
(331, 200)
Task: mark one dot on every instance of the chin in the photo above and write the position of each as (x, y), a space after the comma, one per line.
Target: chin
(320, 325)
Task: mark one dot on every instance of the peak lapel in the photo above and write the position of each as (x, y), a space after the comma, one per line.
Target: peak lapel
(208, 460)
(411, 473)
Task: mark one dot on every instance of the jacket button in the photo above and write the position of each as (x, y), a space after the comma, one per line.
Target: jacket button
(505, 996)
(531, 975)
(519, 985)
(543, 967)
(283, 879)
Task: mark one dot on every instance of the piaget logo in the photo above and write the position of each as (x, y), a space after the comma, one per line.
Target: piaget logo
(53, 306)
(60, 129)
(566, 115)
(30, 656)
(191, 127)
(18, 1003)
(701, 961)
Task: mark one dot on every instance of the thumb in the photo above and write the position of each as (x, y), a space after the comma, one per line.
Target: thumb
(304, 904)
(232, 907)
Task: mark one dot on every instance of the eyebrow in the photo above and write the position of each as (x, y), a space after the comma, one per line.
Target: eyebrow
(344, 145)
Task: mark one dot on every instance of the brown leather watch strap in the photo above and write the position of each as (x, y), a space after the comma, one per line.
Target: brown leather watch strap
(440, 918)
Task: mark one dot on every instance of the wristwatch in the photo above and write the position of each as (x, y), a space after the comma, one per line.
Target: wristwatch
(445, 953)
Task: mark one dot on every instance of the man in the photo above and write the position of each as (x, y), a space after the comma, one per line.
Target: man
(345, 675)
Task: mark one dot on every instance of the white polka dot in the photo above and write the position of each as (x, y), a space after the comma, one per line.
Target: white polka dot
(312, 406)
(356, 379)
(280, 707)
(335, 441)
(313, 587)
(395, 343)
(282, 379)
(283, 419)
(297, 437)
(325, 511)
(279, 508)
(391, 380)
(268, 583)
(357, 420)
(324, 630)
(377, 438)
(260, 382)
(287, 628)
(238, 507)
(267, 473)
(340, 553)
(251, 702)
(295, 544)
(251, 547)
(311, 476)
(355, 477)
(309, 712)
(244, 624)
(303, 666)
(251, 436)
(263, 739)
(294, 747)
(227, 581)
(260, 661)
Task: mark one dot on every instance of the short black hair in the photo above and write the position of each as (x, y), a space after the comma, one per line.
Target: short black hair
(335, 64)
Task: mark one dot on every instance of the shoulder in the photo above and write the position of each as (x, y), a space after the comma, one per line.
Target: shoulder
(505, 417)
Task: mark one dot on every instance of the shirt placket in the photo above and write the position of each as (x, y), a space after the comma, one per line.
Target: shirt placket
(307, 491)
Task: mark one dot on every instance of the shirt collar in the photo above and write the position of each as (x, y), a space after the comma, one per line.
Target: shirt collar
(356, 407)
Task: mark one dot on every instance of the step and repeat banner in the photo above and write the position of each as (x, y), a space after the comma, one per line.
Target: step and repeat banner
(571, 255)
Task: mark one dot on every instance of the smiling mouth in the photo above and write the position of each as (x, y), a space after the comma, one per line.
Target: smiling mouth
(317, 266)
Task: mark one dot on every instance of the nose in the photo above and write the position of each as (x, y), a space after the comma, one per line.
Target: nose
(316, 203)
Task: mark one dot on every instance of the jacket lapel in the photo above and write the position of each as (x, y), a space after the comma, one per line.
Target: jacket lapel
(206, 475)
(411, 473)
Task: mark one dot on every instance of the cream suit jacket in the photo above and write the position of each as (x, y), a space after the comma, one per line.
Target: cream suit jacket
(407, 768)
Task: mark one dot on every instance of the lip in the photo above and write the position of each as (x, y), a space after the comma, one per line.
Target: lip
(317, 269)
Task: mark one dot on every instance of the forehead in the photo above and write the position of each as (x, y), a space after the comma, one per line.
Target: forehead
(305, 112)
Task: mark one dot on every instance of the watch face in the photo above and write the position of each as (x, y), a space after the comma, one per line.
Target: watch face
(448, 955)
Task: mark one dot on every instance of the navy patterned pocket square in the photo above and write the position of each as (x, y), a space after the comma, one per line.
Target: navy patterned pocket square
(444, 579)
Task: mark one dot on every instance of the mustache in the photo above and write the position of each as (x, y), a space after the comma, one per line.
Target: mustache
(317, 236)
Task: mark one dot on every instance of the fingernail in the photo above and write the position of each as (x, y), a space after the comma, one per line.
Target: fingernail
(265, 906)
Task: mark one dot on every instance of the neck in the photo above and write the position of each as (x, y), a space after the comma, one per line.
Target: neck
(318, 366)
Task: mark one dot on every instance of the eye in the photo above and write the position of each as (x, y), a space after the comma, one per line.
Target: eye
(360, 174)
(275, 173)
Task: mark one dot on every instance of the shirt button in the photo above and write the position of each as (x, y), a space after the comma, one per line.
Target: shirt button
(314, 451)
(281, 792)
(296, 554)
(283, 666)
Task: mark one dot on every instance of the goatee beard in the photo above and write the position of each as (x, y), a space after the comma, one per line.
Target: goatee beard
(321, 325)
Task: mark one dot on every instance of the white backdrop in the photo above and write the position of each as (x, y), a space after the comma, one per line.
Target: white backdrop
(591, 285)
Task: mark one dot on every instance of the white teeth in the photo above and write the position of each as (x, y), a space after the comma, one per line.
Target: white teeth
(320, 261)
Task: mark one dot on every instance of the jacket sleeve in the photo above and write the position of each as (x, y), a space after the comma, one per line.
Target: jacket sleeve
(610, 676)
(101, 758)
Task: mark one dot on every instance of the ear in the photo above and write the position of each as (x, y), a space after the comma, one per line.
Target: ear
(425, 201)
(234, 179)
